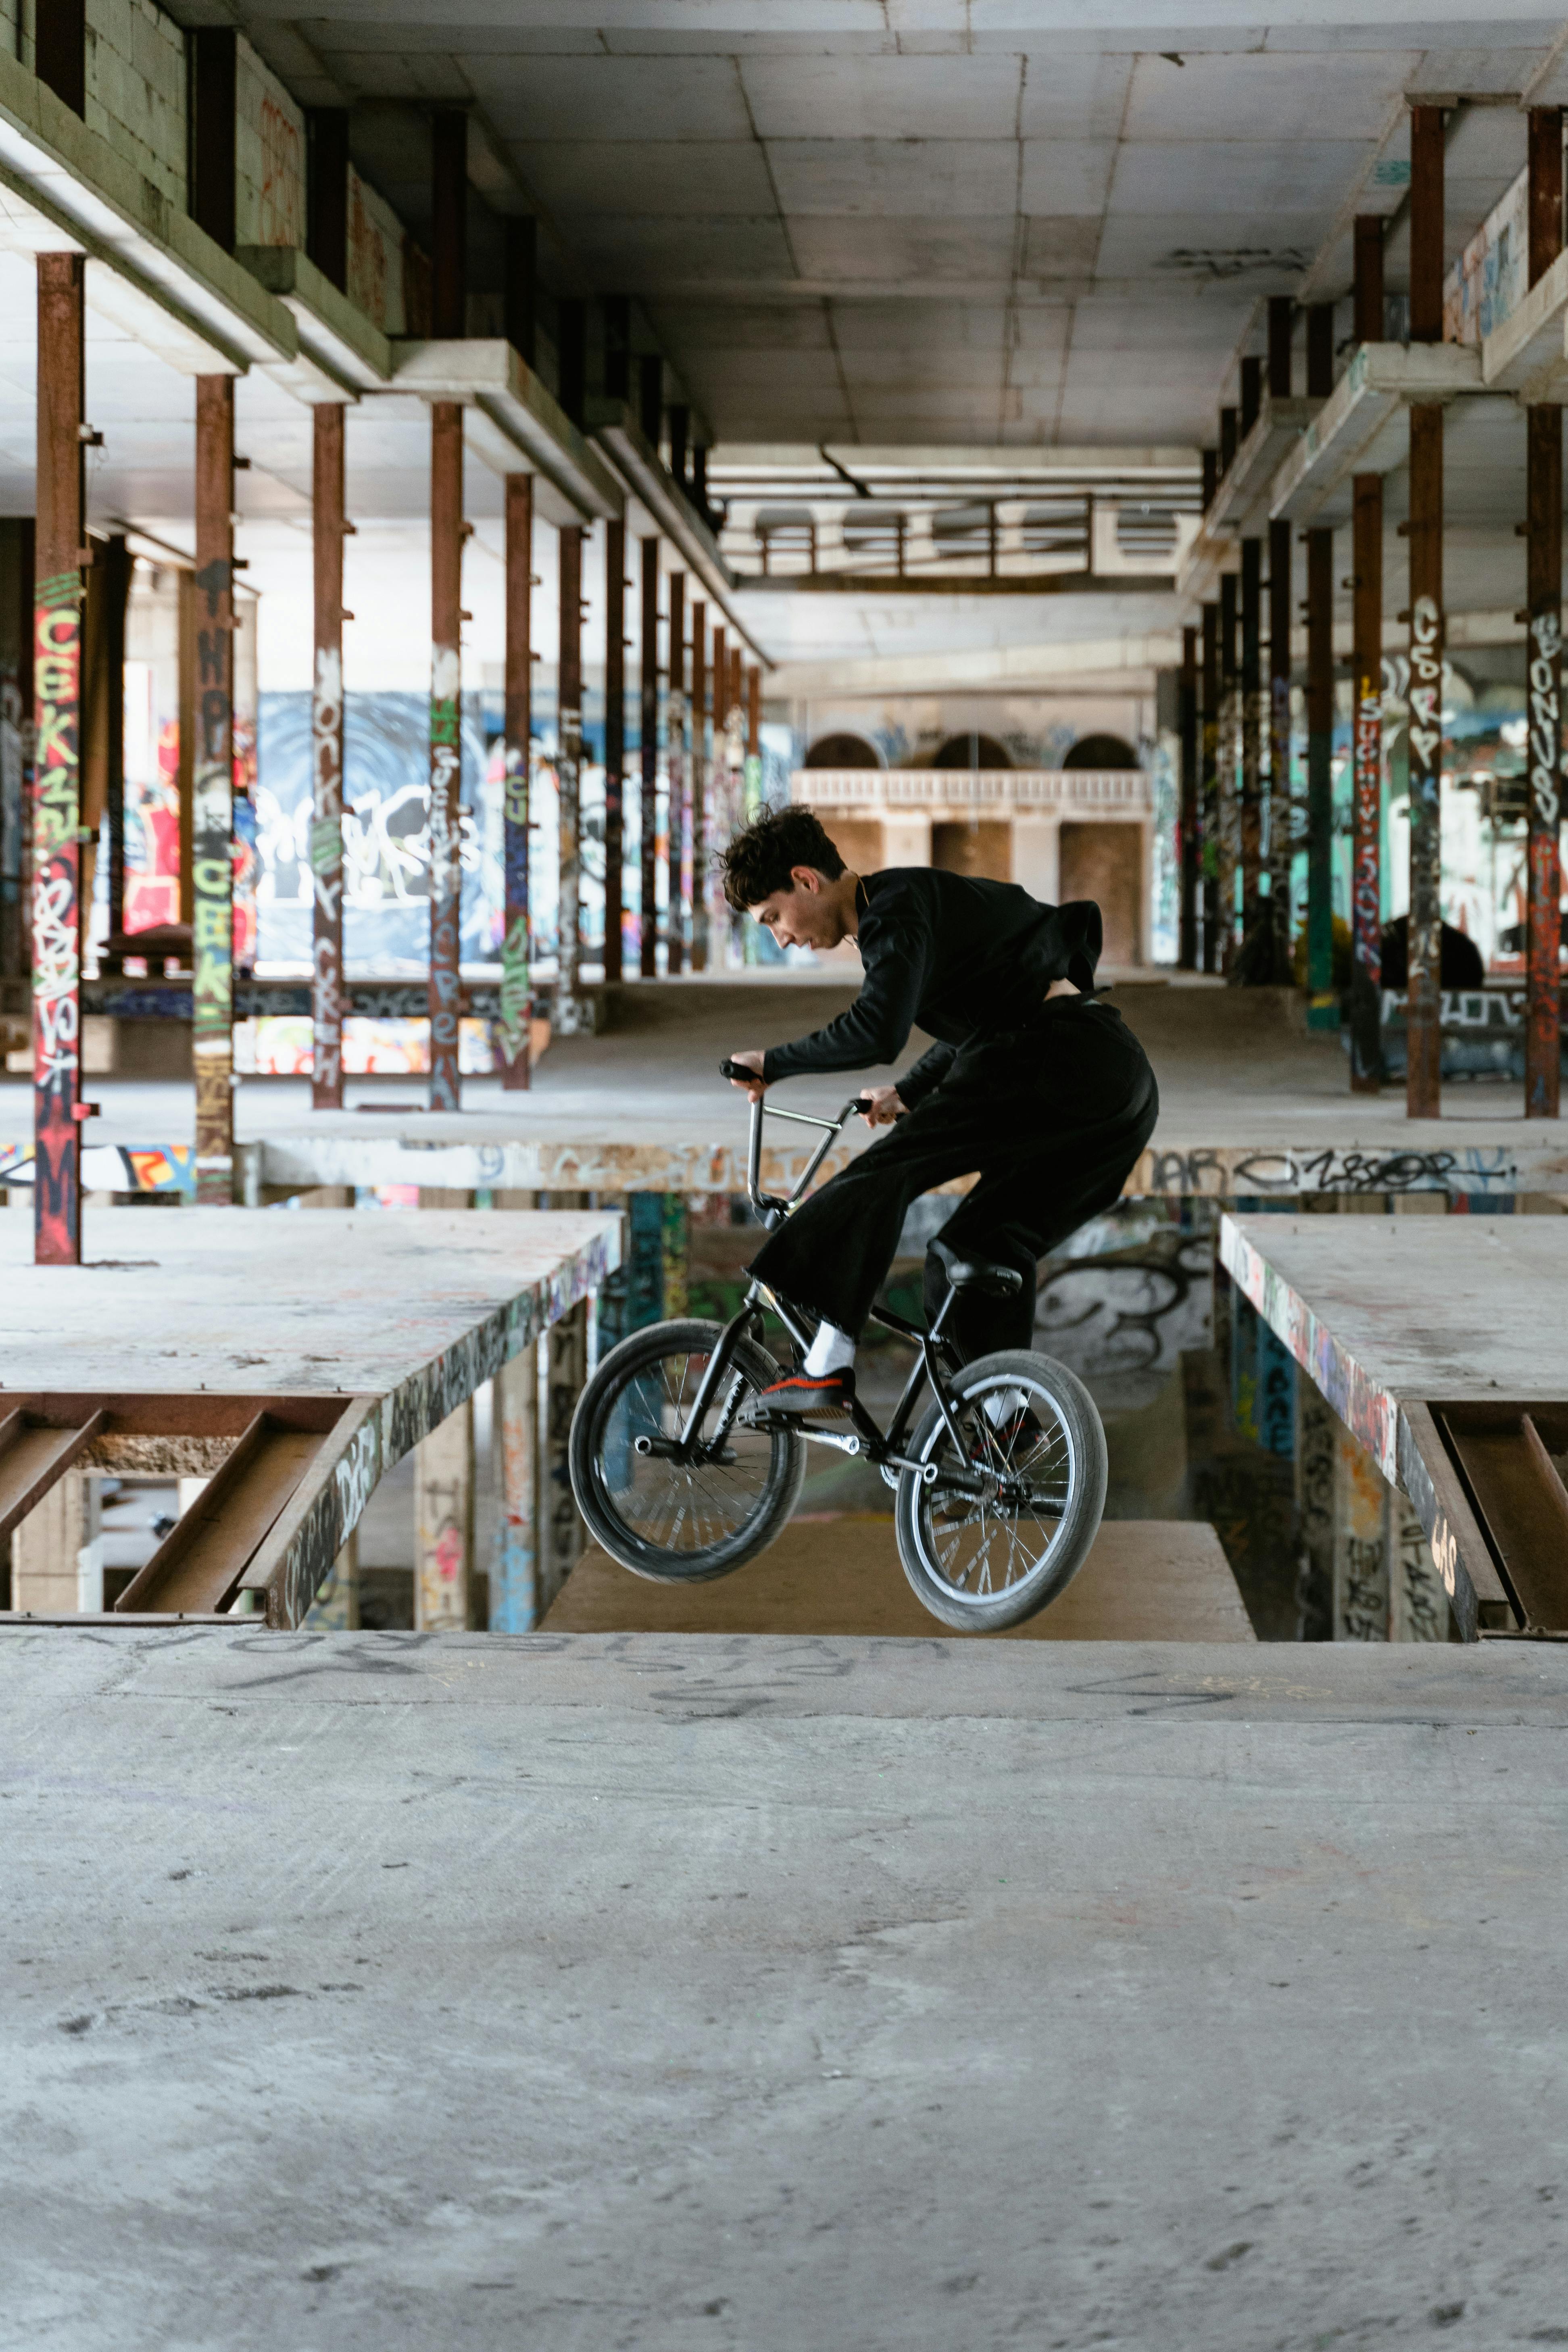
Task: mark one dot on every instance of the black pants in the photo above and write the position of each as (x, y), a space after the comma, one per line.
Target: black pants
(1053, 1117)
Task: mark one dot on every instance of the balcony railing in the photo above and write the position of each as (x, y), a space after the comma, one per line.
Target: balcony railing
(1001, 792)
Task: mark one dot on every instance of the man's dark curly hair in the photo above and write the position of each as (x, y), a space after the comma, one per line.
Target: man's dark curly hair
(760, 860)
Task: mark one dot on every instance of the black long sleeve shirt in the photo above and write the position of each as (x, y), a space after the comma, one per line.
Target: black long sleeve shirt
(948, 953)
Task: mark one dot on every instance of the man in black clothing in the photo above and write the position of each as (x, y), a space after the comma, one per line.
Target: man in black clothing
(1033, 1082)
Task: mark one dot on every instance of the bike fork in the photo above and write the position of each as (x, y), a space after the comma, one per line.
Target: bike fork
(718, 1365)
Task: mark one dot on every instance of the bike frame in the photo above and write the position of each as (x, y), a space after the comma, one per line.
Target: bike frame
(934, 1353)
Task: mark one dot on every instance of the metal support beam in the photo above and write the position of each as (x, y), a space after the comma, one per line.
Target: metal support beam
(699, 881)
(647, 838)
(57, 778)
(1425, 528)
(446, 748)
(754, 801)
(212, 793)
(1366, 584)
(520, 298)
(329, 524)
(569, 778)
(568, 1370)
(1281, 830)
(327, 191)
(1543, 601)
(678, 823)
(1187, 823)
(1208, 788)
(1251, 811)
(443, 1524)
(449, 223)
(212, 131)
(516, 982)
(1322, 1005)
(1229, 815)
(17, 629)
(614, 743)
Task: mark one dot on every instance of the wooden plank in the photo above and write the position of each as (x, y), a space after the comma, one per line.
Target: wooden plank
(32, 1456)
(201, 1562)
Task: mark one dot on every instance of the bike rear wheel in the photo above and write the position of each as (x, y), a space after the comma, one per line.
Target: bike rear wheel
(680, 1523)
(980, 1562)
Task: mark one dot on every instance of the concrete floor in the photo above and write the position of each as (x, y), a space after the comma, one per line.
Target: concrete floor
(387, 1992)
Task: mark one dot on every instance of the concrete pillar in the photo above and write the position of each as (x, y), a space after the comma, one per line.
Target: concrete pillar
(329, 524)
(1208, 787)
(57, 1566)
(212, 806)
(1323, 1011)
(1425, 532)
(1037, 854)
(906, 841)
(648, 746)
(516, 982)
(443, 1524)
(1366, 569)
(677, 789)
(1252, 713)
(105, 742)
(1544, 600)
(446, 533)
(56, 774)
(1360, 1543)
(335, 1609)
(1187, 820)
(1317, 1448)
(615, 743)
(1281, 829)
(568, 1370)
(700, 883)
(568, 774)
(515, 1570)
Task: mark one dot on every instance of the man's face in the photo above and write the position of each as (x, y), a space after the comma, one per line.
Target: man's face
(805, 915)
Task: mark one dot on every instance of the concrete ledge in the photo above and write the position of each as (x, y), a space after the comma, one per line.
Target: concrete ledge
(1361, 428)
(515, 418)
(342, 354)
(1528, 354)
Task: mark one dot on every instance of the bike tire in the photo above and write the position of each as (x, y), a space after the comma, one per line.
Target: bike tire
(1072, 1411)
(777, 1491)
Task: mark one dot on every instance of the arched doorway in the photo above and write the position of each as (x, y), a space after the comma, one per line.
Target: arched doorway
(842, 751)
(1100, 751)
(973, 750)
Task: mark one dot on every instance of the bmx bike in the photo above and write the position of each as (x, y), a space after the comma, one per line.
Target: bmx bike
(999, 1485)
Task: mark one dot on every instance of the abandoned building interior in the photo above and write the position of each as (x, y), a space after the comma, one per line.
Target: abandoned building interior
(1091, 1806)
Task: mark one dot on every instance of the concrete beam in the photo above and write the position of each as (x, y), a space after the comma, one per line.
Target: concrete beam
(150, 269)
(513, 417)
(341, 354)
(1528, 354)
(1361, 426)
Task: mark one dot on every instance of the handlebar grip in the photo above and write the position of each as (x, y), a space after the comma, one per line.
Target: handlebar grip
(739, 1074)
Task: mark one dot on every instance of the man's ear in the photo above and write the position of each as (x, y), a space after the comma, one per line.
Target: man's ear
(805, 877)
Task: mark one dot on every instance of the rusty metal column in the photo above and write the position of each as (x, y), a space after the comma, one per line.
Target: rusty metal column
(1322, 1005)
(211, 820)
(1208, 789)
(328, 526)
(1366, 583)
(677, 824)
(446, 748)
(1280, 836)
(1251, 796)
(648, 840)
(699, 786)
(569, 775)
(1229, 815)
(1544, 600)
(1187, 821)
(614, 743)
(1424, 1012)
(57, 776)
(517, 718)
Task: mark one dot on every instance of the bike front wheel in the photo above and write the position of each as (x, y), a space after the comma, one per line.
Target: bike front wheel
(680, 1522)
(990, 1531)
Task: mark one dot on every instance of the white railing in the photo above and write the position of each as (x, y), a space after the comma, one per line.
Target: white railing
(1004, 790)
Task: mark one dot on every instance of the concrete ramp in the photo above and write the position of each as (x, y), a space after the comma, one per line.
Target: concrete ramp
(403, 1992)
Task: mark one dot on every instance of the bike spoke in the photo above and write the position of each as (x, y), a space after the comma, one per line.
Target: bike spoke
(985, 1546)
(683, 1509)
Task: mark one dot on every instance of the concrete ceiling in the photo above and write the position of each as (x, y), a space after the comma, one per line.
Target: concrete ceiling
(935, 220)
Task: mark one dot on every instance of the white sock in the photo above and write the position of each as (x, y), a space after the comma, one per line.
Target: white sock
(1001, 1405)
(831, 1350)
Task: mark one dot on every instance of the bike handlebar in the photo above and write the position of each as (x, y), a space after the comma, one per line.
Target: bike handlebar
(738, 1072)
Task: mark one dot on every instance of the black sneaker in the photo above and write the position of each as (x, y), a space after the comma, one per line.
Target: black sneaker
(803, 1392)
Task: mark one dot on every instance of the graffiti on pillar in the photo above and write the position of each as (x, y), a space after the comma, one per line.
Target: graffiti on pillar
(1365, 886)
(327, 879)
(568, 774)
(678, 826)
(1543, 1043)
(1426, 735)
(515, 998)
(57, 854)
(445, 880)
(212, 872)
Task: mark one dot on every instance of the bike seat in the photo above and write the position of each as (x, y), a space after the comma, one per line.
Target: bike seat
(978, 1274)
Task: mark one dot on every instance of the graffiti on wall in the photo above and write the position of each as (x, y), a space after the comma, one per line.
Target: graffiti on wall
(57, 855)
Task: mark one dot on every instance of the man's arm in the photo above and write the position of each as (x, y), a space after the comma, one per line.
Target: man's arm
(876, 1027)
